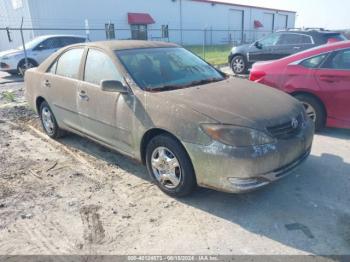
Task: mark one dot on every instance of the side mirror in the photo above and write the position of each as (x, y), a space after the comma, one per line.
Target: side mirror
(40, 47)
(258, 45)
(114, 86)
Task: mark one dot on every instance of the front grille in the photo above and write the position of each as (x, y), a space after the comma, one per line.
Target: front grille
(288, 129)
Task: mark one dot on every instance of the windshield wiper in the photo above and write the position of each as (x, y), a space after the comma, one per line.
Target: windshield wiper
(203, 82)
(193, 83)
(163, 88)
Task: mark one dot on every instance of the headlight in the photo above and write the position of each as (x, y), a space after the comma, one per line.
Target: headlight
(236, 135)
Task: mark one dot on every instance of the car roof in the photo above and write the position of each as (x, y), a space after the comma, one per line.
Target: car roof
(318, 50)
(44, 37)
(309, 32)
(129, 44)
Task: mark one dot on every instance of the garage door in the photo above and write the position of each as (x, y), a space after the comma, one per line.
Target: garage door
(268, 22)
(281, 22)
(235, 24)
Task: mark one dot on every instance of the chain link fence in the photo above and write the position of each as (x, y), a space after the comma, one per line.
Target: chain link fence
(211, 44)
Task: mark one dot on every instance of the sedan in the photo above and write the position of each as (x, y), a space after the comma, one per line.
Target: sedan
(319, 78)
(13, 61)
(189, 123)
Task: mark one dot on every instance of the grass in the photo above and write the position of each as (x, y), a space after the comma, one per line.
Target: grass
(215, 54)
(9, 96)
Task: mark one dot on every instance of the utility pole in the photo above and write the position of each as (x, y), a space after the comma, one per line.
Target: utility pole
(24, 46)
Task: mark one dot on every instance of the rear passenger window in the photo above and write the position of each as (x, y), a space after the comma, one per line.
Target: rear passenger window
(314, 62)
(294, 39)
(99, 66)
(52, 69)
(68, 64)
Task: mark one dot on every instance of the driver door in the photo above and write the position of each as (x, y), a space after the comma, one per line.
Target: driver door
(264, 49)
(46, 48)
(105, 116)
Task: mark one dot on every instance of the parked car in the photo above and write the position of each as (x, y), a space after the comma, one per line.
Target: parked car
(13, 61)
(162, 105)
(319, 78)
(278, 45)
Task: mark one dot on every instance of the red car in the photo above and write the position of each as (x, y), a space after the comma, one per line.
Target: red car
(318, 77)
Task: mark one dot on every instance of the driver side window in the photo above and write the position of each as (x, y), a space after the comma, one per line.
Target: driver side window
(50, 43)
(339, 60)
(270, 40)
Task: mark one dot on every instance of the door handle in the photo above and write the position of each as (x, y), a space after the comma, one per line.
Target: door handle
(83, 95)
(47, 83)
(328, 78)
(297, 47)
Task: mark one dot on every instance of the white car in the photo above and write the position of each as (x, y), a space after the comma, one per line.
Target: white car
(13, 61)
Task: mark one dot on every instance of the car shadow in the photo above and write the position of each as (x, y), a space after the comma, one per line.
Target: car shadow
(5, 79)
(308, 210)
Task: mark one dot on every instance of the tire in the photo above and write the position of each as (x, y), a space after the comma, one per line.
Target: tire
(183, 175)
(239, 64)
(48, 121)
(314, 110)
(21, 68)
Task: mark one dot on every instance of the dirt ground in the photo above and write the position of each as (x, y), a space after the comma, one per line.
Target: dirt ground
(73, 196)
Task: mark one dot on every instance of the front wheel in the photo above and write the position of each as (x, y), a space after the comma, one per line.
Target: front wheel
(169, 166)
(23, 67)
(239, 65)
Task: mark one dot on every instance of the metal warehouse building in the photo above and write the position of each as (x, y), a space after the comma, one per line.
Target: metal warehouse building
(189, 22)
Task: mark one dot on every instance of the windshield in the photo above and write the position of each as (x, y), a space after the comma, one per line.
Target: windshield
(160, 69)
(31, 44)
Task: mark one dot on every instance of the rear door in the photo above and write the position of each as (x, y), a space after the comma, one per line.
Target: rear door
(61, 83)
(105, 116)
(290, 43)
(334, 79)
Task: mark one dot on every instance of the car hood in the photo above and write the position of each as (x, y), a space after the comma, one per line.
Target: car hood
(10, 52)
(241, 48)
(238, 102)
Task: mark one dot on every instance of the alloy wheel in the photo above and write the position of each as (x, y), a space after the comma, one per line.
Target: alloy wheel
(47, 120)
(238, 65)
(310, 111)
(166, 167)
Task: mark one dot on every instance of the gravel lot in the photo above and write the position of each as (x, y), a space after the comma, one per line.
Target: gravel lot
(73, 196)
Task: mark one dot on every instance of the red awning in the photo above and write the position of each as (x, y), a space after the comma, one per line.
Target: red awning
(257, 24)
(140, 19)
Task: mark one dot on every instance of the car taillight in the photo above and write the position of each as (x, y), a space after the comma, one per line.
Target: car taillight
(256, 75)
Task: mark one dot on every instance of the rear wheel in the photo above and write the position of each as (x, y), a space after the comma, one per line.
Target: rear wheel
(49, 122)
(239, 64)
(314, 110)
(169, 166)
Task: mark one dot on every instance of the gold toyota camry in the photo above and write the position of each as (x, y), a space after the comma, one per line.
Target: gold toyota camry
(189, 123)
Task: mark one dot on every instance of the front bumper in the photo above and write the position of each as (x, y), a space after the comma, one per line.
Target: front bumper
(238, 170)
(7, 66)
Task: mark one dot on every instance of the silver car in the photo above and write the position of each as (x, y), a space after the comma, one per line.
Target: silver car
(189, 123)
(13, 61)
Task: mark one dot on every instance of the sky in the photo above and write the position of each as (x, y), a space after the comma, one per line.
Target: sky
(329, 14)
